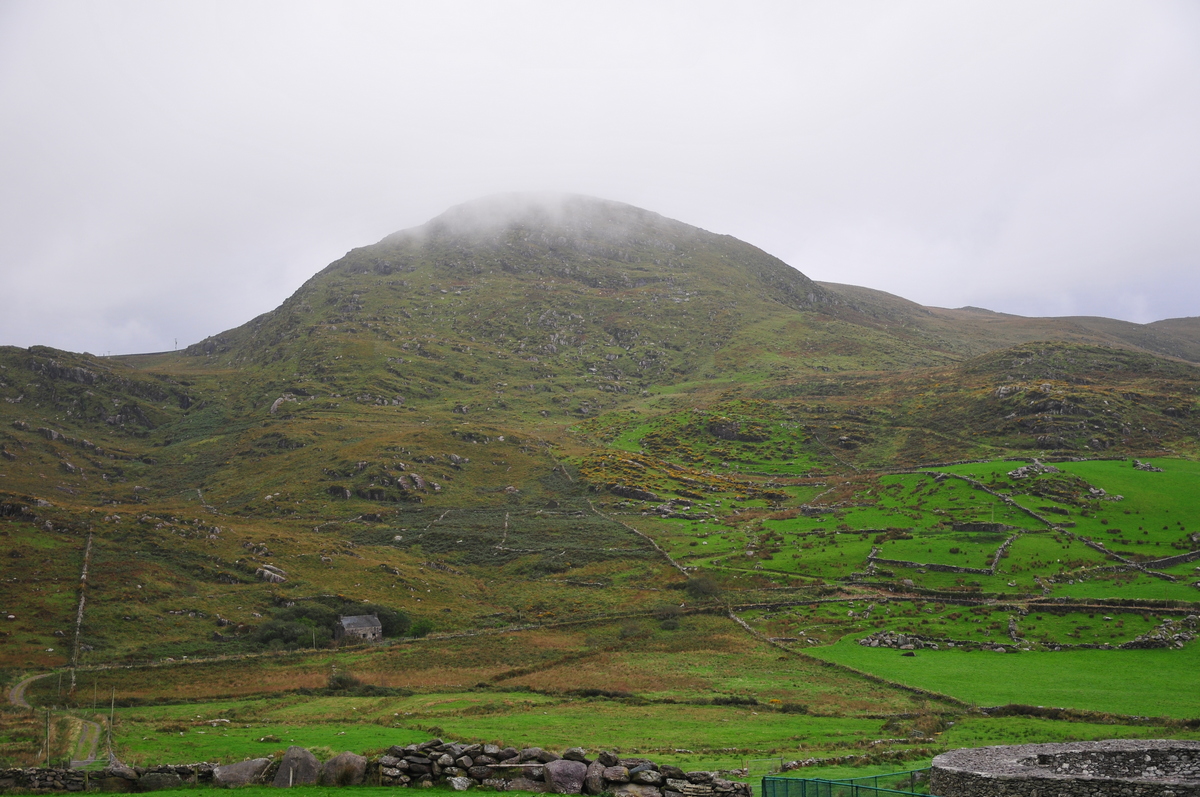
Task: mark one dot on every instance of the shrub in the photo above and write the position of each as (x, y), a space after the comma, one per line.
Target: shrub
(281, 634)
(343, 681)
(702, 587)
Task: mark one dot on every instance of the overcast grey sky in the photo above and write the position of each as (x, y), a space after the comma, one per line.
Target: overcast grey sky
(169, 170)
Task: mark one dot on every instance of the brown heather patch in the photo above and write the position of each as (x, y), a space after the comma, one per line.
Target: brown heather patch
(440, 677)
(609, 672)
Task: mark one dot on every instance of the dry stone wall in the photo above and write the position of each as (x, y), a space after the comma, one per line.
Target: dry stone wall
(1114, 768)
(460, 766)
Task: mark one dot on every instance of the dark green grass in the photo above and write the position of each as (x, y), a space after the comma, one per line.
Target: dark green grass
(1161, 682)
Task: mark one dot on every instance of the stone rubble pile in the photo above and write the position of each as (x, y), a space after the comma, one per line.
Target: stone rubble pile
(1169, 634)
(1036, 468)
(894, 639)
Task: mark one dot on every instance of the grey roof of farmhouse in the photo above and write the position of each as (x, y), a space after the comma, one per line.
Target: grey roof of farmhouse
(365, 621)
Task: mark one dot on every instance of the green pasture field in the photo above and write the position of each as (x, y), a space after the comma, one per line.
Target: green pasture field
(826, 556)
(1046, 553)
(1154, 508)
(663, 727)
(237, 742)
(720, 735)
(959, 548)
(1156, 683)
(934, 619)
(830, 622)
(784, 448)
(660, 677)
(1076, 628)
(1141, 587)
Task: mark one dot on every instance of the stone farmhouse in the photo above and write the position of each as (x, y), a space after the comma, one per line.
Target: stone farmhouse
(362, 626)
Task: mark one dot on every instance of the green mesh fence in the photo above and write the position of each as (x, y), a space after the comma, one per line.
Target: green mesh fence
(913, 781)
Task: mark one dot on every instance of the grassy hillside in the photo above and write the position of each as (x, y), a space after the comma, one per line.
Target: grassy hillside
(579, 452)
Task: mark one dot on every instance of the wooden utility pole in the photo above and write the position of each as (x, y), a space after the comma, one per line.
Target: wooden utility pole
(112, 713)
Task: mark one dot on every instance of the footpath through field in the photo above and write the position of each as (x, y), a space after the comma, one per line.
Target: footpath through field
(89, 736)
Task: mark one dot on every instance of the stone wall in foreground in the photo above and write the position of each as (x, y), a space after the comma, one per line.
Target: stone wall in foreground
(460, 766)
(1114, 768)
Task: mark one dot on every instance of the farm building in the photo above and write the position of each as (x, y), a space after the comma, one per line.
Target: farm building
(363, 626)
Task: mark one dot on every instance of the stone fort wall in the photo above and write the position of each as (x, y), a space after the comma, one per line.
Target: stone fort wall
(1114, 768)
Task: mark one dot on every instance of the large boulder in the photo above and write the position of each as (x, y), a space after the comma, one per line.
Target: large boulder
(344, 769)
(299, 767)
(565, 776)
(243, 773)
(593, 781)
(576, 754)
(460, 784)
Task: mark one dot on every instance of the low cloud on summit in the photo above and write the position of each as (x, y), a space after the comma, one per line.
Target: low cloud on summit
(171, 170)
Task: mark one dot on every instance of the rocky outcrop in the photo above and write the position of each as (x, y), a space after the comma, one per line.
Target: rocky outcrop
(271, 574)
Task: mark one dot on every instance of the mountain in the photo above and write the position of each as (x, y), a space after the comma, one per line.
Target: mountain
(469, 406)
(973, 330)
